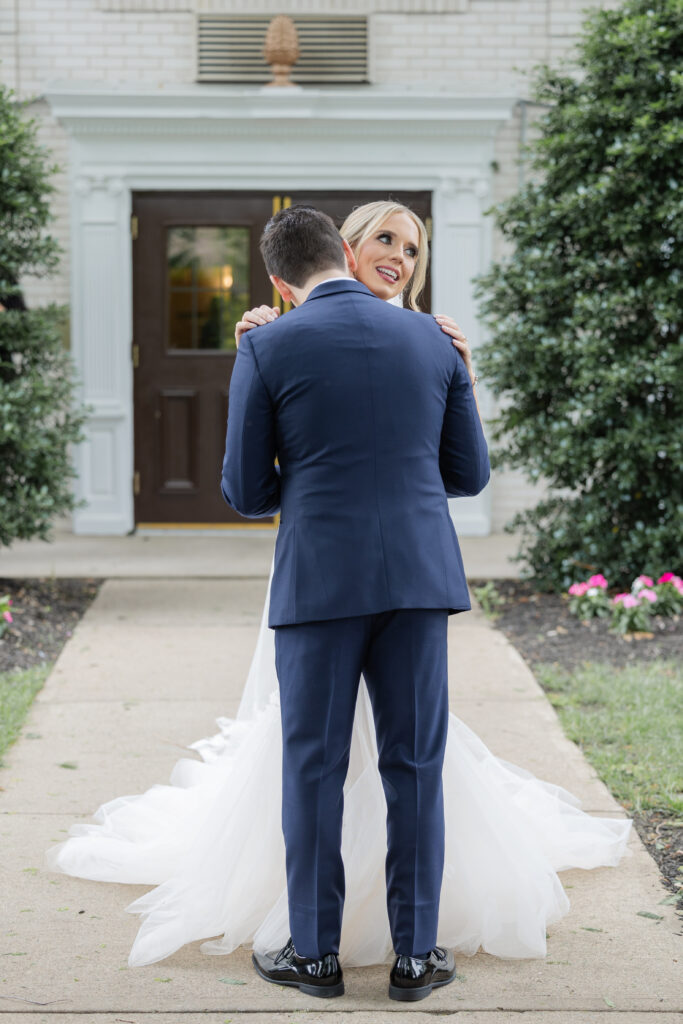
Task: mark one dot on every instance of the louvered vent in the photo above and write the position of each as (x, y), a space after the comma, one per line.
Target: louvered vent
(331, 50)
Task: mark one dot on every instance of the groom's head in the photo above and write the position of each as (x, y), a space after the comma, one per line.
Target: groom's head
(300, 246)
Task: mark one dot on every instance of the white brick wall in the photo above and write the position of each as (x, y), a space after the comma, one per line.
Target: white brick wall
(40, 291)
(78, 41)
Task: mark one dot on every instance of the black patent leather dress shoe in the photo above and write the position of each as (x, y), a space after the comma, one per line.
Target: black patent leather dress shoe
(414, 977)
(321, 977)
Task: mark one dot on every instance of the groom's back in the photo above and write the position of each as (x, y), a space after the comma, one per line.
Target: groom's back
(359, 390)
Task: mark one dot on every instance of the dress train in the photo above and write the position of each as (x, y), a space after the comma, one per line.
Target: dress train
(211, 843)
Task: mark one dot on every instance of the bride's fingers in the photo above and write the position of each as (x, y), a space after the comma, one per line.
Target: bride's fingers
(450, 327)
(462, 346)
(241, 327)
(255, 317)
(261, 315)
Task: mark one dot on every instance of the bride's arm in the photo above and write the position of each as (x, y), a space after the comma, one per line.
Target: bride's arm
(449, 327)
(254, 318)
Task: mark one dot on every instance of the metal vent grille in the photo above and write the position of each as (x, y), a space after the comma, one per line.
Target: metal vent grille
(331, 50)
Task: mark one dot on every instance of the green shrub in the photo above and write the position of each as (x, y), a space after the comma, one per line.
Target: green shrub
(585, 345)
(38, 416)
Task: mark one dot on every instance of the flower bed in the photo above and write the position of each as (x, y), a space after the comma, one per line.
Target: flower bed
(630, 611)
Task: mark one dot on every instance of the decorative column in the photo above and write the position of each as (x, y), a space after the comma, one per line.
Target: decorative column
(101, 346)
(460, 251)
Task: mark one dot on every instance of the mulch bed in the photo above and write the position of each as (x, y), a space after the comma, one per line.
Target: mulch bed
(542, 629)
(45, 613)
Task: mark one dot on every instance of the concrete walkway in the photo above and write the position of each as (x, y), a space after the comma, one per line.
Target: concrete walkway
(237, 551)
(149, 668)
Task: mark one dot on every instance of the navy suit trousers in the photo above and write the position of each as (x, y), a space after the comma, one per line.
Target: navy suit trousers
(402, 655)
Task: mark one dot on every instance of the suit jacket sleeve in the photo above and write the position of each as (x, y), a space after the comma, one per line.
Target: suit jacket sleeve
(463, 453)
(250, 481)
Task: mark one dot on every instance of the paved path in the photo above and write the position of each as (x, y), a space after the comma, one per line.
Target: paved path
(149, 668)
(241, 551)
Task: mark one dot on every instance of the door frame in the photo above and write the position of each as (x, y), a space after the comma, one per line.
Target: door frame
(129, 139)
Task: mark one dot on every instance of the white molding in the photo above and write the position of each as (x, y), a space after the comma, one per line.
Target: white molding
(200, 109)
(273, 7)
(233, 138)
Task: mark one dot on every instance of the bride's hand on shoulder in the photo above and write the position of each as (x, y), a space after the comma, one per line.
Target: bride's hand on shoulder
(449, 327)
(254, 318)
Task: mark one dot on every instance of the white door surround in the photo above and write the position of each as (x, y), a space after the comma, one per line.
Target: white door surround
(125, 139)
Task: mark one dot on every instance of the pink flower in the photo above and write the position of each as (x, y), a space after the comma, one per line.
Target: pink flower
(674, 580)
(630, 601)
(642, 581)
(7, 616)
(619, 598)
(578, 589)
(598, 581)
(649, 595)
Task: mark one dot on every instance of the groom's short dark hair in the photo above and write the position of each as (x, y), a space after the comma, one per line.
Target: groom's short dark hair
(299, 242)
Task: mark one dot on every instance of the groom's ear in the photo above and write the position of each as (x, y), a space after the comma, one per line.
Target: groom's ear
(351, 261)
(282, 288)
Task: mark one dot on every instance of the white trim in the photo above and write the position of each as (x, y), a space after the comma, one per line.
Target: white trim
(235, 138)
(292, 7)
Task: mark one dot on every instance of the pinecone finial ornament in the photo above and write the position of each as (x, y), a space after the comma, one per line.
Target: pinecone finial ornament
(281, 49)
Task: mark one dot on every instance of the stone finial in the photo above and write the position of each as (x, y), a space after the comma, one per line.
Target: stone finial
(281, 49)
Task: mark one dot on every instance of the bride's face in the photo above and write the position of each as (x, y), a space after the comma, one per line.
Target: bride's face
(385, 263)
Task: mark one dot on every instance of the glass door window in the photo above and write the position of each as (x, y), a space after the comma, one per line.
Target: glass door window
(208, 286)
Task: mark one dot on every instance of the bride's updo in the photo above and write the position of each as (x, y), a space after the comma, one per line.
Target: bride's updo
(365, 220)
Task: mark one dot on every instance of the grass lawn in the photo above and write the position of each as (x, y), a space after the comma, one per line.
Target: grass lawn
(17, 690)
(629, 725)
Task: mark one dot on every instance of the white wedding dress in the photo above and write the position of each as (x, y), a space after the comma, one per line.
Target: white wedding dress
(211, 842)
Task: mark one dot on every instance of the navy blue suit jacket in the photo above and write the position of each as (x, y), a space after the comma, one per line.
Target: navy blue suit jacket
(369, 410)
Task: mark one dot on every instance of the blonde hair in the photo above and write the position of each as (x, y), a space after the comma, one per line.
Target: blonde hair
(362, 222)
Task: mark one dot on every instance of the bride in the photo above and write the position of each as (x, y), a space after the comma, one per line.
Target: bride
(211, 842)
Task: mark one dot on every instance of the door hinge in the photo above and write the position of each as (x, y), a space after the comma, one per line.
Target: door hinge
(135, 355)
(133, 227)
(428, 225)
(136, 482)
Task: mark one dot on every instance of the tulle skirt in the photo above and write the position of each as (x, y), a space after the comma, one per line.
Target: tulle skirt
(211, 843)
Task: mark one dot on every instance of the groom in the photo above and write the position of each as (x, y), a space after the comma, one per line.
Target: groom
(370, 414)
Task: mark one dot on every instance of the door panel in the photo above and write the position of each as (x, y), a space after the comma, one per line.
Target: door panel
(178, 425)
(196, 268)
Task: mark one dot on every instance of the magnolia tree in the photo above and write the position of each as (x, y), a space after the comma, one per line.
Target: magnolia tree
(38, 417)
(584, 314)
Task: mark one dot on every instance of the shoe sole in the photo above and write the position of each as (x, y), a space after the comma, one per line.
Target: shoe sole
(310, 990)
(412, 995)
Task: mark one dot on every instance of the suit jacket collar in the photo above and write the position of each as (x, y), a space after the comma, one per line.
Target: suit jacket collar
(333, 287)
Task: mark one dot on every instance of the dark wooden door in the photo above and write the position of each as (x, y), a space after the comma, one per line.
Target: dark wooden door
(196, 268)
